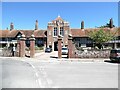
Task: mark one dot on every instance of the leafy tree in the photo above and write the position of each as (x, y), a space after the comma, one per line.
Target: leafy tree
(100, 36)
(107, 25)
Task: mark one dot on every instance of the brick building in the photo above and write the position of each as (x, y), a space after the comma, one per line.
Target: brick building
(49, 37)
(55, 28)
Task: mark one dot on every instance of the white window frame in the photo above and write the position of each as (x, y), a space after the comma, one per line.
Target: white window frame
(62, 31)
(55, 29)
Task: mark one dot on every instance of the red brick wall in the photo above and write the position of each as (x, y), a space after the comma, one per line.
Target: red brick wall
(22, 47)
(32, 47)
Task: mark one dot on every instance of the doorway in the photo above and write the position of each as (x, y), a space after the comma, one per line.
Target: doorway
(56, 46)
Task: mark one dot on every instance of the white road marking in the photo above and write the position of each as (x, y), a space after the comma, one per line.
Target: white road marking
(37, 74)
(32, 66)
(38, 80)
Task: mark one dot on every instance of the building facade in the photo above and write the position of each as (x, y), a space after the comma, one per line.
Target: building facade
(55, 28)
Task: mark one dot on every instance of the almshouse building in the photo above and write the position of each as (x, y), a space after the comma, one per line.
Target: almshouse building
(49, 37)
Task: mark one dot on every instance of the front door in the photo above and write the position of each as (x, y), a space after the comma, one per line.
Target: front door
(56, 46)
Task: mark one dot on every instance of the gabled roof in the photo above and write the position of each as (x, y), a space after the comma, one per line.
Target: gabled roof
(27, 33)
(40, 33)
(12, 33)
(78, 33)
(59, 18)
(43, 33)
(4, 33)
(119, 31)
(85, 32)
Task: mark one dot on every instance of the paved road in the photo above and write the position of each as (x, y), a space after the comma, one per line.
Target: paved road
(79, 74)
(44, 55)
(59, 74)
(18, 74)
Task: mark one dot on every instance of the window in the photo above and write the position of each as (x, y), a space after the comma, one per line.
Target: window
(62, 31)
(55, 31)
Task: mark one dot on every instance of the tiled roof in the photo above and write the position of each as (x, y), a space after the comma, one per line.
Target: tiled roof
(78, 33)
(12, 33)
(4, 33)
(85, 32)
(43, 33)
(40, 33)
(119, 31)
(27, 33)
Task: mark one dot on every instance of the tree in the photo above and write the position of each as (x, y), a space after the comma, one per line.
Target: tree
(99, 37)
(105, 26)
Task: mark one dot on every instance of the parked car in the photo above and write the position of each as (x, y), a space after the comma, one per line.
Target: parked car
(48, 50)
(64, 50)
(115, 55)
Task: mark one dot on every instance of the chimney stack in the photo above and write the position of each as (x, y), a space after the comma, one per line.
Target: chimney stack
(111, 23)
(11, 26)
(36, 25)
(82, 25)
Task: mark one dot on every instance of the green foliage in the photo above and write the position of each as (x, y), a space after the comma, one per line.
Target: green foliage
(27, 49)
(107, 25)
(39, 48)
(100, 36)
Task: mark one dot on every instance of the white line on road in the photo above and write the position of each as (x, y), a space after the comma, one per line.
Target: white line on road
(38, 80)
(32, 66)
(36, 74)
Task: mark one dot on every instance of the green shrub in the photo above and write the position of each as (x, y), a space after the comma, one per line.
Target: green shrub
(39, 48)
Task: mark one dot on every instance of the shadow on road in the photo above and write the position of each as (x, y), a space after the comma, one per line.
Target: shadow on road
(53, 57)
(112, 61)
(56, 57)
(27, 56)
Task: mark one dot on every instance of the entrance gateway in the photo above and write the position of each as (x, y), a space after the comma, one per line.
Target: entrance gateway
(56, 46)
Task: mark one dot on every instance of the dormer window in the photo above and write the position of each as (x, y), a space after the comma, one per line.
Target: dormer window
(55, 31)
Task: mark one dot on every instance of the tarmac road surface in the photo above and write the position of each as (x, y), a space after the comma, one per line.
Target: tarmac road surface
(31, 73)
(18, 74)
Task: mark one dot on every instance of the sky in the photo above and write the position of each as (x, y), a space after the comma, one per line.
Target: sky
(24, 14)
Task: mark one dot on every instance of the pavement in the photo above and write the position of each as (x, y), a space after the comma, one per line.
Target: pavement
(18, 74)
(32, 73)
(46, 71)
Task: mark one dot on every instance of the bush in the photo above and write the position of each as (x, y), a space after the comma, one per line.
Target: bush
(27, 49)
(39, 48)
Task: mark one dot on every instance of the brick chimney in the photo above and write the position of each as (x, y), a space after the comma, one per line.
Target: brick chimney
(82, 25)
(11, 26)
(36, 25)
(111, 23)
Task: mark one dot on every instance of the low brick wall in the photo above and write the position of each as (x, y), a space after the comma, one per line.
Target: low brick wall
(92, 54)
